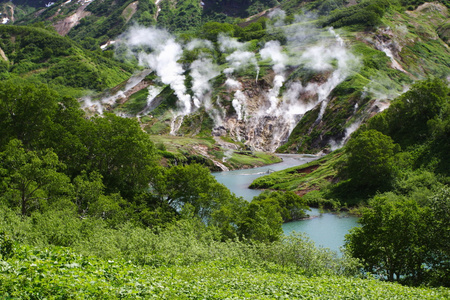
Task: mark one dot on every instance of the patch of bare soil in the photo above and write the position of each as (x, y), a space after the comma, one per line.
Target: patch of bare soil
(3, 55)
(64, 26)
(203, 151)
(225, 144)
(432, 6)
(307, 170)
(305, 191)
(130, 10)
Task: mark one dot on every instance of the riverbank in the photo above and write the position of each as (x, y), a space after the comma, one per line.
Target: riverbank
(305, 180)
(238, 181)
(210, 153)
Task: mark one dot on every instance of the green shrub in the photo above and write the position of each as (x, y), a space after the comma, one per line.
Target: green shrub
(367, 13)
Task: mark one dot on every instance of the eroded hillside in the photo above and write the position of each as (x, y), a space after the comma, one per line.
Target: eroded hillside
(281, 80)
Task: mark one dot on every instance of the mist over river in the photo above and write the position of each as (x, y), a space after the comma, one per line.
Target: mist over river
(325, 229)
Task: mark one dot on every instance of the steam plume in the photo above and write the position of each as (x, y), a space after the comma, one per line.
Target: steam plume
(273, 50)
(322, 52)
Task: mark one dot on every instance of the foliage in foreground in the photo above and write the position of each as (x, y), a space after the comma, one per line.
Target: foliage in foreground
(405, 240)
(404, 233)
(60, 273)
(185, 242)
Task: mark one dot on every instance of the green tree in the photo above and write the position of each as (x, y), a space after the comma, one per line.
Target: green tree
(26, 111)
(392, 239)
(261, 221)
(292, 207)
(87, 190)
(227, 217)
(212, 30)
(31, 180)
(412, 117)
(120, 151)
(370, 160)
(366, 13)
(191, 184)
(40, 118)
(64, 135)
(151, 211)
(438, 236)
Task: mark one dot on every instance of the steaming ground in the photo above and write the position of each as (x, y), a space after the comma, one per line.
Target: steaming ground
(263, 119)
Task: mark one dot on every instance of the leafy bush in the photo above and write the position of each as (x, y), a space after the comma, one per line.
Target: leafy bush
(6, 246)
(319, 199)
(181, 16)
(404, 239)
(220, 270)
(291, 206)
(366, 13)
(370, 161)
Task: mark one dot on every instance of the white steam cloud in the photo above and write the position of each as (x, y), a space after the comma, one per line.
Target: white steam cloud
(153, 92)
(273, 50)
(239, 58)
(322, 52)
(329, 56)
(278, 16)
(348, 131)
(265, 116)
(158, 50)
(164, 60)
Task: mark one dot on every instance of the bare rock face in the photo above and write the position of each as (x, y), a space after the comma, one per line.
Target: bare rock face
(262, 133)
(3, 55)
(263, 125)
(65, 25)
(385, 40)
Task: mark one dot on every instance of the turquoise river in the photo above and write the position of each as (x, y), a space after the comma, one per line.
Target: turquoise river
(325, 229)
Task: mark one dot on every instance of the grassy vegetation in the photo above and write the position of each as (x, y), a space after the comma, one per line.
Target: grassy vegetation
(182, 261)
(184, 149)
(135, 104)
(43, 56)
(249, 159)
(61, 273)
(303, 179)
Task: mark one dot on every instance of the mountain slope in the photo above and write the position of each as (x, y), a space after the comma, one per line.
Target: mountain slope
(298, 80)
(42, 55)
(393, 57)
(275, 81)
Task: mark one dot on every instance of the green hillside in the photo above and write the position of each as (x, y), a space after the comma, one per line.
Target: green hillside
(41, 55)
(378, 80)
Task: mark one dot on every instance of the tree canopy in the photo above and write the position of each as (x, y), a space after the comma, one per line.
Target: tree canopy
(370, 160)
(403, 240)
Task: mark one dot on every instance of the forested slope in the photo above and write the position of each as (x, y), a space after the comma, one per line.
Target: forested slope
(41, 55)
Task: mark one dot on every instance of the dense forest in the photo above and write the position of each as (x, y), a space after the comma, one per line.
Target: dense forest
(114, 113)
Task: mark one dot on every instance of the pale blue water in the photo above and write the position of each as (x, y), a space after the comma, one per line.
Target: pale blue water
(238, 181)
(326, 229)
